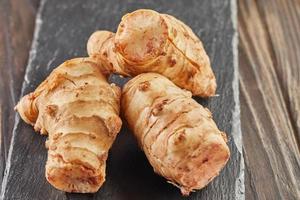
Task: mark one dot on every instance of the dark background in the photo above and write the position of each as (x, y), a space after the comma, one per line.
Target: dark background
(269, 43)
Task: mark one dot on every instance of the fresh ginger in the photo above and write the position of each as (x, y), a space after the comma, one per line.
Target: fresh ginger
(147, 41)
(178, 135)
(79, 110)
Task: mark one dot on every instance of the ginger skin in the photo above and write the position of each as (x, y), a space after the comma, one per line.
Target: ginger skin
(79, 110)
(147, 41)
(178, 135)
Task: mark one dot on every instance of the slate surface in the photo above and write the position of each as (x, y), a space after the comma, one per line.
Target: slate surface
(62, 30)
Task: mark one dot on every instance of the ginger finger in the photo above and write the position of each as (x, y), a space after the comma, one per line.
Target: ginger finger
(79, 110)
(178, 135)
(147, 41)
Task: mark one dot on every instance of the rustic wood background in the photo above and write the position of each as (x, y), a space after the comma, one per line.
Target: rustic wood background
(269, 63)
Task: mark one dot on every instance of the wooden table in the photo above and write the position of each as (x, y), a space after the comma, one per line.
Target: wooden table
(269, 63)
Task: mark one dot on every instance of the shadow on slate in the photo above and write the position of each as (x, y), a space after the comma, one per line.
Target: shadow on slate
(62, 30)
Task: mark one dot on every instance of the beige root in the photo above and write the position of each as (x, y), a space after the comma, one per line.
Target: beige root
(79, 111)
(147, 41)
(178, 135)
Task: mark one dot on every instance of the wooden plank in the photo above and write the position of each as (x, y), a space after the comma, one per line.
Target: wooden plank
(255, 185)
(270, 97)
(17, 23)
(63, 35)
(253, 174)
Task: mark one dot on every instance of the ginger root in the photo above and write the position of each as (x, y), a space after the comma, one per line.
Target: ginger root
(147, 41)
(178, 135)
(79, 110)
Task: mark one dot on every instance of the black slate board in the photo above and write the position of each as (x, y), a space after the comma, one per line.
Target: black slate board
(62, 30)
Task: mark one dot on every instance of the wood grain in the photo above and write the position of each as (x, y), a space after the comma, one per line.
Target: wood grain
(265, 24)
(60, 37)
(270, 97)
(17, 23)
